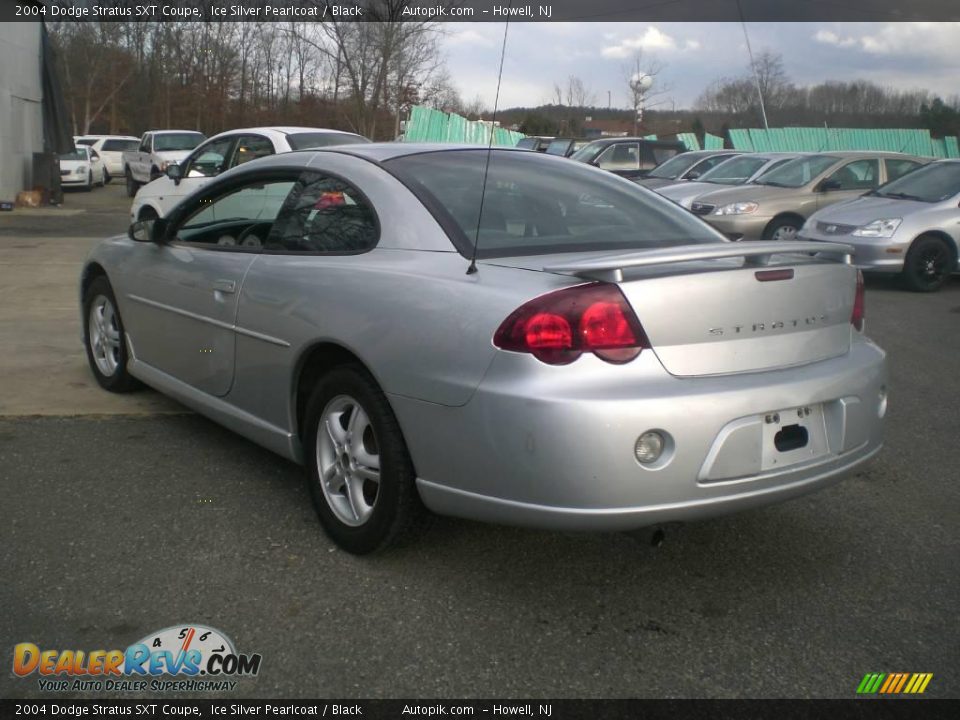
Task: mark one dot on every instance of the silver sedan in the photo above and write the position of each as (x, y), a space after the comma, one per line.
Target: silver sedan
(909, 226)
(503, 336)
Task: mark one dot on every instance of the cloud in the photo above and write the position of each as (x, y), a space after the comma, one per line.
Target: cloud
(828, 37)
(653, 38)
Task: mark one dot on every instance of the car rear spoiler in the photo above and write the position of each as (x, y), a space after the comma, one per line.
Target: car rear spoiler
(610, 267)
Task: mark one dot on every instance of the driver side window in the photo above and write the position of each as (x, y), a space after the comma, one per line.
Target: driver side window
(208, 160)
(238, 218)
(858, 175)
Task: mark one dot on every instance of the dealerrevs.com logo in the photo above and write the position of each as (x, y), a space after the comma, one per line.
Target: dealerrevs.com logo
(200, 657)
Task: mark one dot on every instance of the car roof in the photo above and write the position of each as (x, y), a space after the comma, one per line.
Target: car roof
(388, 150)
(283, 130)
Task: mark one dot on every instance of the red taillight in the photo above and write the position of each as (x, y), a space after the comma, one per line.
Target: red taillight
(559, 327)
(859, 304)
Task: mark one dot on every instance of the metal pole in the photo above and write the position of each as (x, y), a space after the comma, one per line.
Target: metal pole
(753, 67)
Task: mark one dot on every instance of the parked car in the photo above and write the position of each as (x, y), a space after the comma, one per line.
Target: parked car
(736, 170)
(537, 143)
(157, 150)
(775, 206)
(226, 150)
(81, 168)
(566, 351)
(688, 166)
(565, 147)
(629, 157)
(909, 226)
(111, 149)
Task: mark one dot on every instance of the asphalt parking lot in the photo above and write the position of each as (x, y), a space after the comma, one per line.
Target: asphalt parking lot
(125, 515)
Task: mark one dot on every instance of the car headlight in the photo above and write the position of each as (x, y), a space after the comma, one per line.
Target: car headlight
(882, 228)
(81, 169)
(737, 208)
(163, 165)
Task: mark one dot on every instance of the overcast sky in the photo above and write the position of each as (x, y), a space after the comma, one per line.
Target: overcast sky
(903, 55)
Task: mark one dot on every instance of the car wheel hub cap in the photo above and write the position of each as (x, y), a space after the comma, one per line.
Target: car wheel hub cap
(348, 461)
(104, 335)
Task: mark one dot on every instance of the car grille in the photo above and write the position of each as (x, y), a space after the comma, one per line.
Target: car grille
(698, 208)
(835, 228)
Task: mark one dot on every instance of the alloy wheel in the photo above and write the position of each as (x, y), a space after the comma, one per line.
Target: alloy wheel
(348, 460)
(104, 335)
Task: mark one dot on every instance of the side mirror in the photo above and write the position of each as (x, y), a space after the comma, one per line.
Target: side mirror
(828, 185)
(175, 173)
(147, 231)
(692, 175)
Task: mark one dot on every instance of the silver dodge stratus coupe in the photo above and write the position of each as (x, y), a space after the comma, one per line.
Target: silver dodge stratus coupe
(497, 335)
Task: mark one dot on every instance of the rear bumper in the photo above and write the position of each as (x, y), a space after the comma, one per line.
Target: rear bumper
(532, 449)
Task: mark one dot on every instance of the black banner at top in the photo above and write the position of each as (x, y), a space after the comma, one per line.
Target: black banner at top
(480, 10)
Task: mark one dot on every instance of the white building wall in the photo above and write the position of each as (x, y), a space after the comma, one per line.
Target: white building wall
(21, 113)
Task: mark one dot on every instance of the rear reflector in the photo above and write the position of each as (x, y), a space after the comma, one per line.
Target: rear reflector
(859, 304)
(559, 327)
(771, 275)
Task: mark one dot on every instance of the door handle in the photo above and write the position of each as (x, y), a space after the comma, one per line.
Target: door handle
(227, 286)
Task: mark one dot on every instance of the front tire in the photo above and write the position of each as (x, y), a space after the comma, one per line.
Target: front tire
(104, 338)
(359, 473)
(782, 229)
(107, 177)
(89, 186)
(928, 264)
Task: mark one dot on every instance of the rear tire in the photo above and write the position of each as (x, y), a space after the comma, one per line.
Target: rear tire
(104, 338)
(928, 264)
(132, 185)
(359, 473)
(107, 177)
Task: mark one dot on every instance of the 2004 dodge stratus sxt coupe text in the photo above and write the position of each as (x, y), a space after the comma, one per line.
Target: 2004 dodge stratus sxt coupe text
(609, 362)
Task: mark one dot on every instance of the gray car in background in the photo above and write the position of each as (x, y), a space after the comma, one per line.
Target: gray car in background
(563, 350)
(909, 226)
(738, 170)
(685, 166)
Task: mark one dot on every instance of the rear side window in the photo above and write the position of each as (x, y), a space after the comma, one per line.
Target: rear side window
(536, 204)
(324, 214)
(251, 147)
(898, 168)
(620, 156)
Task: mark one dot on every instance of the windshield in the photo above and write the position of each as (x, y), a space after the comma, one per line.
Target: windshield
(675, 166)
(177, 141)
(931, 183)
(77, 154)
(734, 171)
(797, 173)
(119, 145)
(85, 141)
(304, 141)
(538, 205)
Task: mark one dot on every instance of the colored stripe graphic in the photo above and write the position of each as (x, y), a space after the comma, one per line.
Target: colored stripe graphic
(894, 683)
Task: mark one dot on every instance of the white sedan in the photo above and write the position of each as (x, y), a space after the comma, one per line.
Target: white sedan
(111, 149)
(222, 152)
(82, 168)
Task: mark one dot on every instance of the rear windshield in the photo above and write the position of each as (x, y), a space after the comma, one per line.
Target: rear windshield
(675, 166)
(528, 143)
(558, 147)
(305, 141)
(797, 173)
(119, 145)
(169, 142)
(932, 183)
(536, 204)
(85, 141)
(733, 171)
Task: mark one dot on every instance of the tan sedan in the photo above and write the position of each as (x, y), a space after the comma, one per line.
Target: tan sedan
(776, 204)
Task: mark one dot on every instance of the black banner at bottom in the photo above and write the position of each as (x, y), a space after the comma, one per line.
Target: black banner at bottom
(894, 709)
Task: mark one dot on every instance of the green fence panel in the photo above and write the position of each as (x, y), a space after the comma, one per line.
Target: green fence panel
(740, 139)
(690, 140)
(953, 148)
(429, 125)
(712, 142)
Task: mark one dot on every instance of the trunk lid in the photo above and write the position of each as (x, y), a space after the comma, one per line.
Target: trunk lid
(734, 307)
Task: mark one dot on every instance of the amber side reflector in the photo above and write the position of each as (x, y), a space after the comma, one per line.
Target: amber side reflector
(771, 275)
